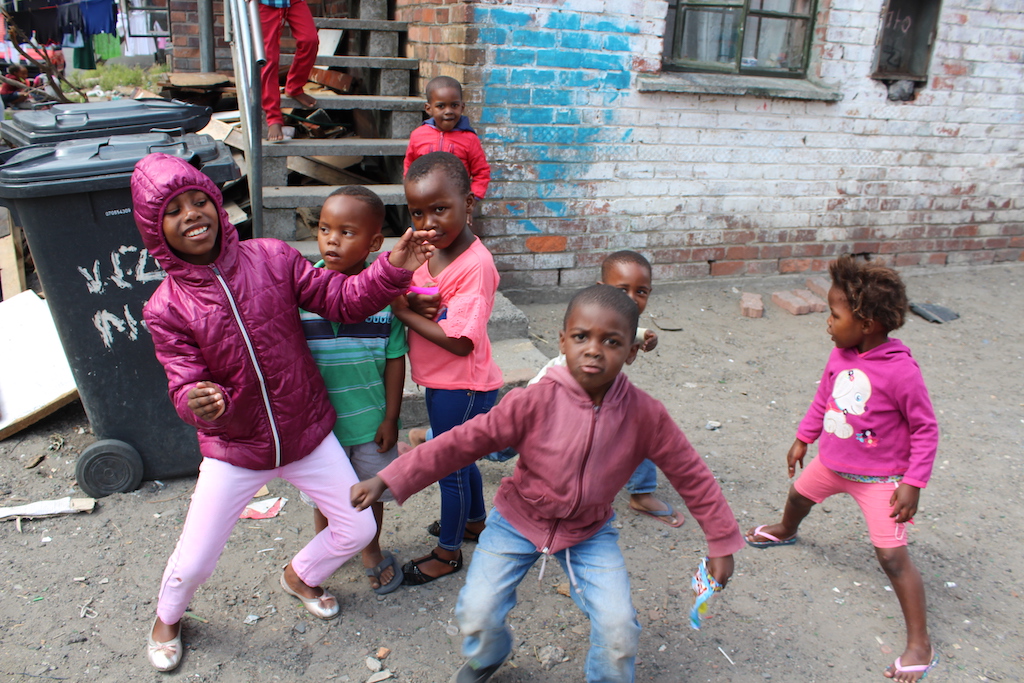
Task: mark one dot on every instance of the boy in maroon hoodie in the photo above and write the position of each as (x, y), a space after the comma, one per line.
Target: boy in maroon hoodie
(581, 432)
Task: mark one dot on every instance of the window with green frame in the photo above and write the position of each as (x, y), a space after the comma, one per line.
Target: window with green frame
(756, 37)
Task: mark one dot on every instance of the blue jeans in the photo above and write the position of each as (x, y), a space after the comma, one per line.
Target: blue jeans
(644, 480)
(501, 561)
(462, 492)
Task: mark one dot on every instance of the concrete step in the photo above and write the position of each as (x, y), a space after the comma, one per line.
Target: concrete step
(368, 147)
(367, 102)
(278, 197)
(360, 24)
(362, 62)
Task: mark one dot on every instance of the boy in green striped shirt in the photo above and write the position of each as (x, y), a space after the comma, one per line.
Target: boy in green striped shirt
(363, 364)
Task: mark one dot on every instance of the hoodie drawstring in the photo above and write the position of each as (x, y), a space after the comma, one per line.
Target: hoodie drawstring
(568, 565)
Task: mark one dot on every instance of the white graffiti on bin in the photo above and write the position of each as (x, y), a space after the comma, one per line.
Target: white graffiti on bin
(96, 283)
(106, 322)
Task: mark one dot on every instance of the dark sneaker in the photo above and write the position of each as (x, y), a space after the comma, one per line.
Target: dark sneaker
(471, 672)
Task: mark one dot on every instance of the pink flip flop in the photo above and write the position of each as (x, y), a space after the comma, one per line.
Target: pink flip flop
(772, 540)
(923, 669)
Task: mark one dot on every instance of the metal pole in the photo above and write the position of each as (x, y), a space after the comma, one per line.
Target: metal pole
(258, 58)
(207, 62)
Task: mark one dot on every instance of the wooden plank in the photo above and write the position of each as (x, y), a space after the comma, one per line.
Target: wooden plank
(12, 263)
(318, 171)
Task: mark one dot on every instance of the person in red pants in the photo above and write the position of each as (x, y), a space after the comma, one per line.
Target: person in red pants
(273, 15)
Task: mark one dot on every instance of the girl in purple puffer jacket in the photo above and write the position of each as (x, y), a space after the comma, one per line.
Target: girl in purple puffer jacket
(226, 328)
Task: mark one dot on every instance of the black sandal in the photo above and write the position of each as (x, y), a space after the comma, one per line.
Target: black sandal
(414, 577)
(467, 535)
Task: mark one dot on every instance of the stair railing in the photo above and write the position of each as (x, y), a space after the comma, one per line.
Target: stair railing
(243, 31)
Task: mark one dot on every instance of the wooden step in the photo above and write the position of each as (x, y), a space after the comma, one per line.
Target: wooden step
(366, 147)
(360, 24)
(367, 102)
(362, 62)
(289, 197)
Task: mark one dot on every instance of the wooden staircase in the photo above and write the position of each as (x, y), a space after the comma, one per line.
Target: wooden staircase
(385, 115)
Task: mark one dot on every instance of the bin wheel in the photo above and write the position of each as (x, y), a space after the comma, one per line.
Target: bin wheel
(108, 466)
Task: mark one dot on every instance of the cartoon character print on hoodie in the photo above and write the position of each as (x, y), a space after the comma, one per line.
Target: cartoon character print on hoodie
(850, 394)
(236, 323)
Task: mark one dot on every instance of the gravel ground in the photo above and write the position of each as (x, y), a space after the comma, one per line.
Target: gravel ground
(77, 593)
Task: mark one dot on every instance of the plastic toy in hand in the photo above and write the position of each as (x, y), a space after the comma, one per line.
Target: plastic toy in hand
(704, 586)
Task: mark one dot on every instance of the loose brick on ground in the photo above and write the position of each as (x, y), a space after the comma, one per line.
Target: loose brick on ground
(751, 305)
(816, 304)
(790, 302)
(819, 285)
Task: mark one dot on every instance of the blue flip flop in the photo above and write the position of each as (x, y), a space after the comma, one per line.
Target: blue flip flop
(667, 517)
(396, 580)
(772, 540)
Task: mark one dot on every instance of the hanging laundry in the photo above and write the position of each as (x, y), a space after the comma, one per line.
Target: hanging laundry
(99, 17)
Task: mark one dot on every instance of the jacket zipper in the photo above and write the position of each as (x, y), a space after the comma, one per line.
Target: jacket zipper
(579, 489)
(255, 365)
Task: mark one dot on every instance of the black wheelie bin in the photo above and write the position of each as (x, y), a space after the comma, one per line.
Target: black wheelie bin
(73, 200)
(77, 120)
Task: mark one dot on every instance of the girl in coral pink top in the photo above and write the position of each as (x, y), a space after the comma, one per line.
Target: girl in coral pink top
(449, 351)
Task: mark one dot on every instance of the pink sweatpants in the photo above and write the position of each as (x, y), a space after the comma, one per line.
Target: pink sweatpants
(223, 491)
(818, 482)
(272, 20)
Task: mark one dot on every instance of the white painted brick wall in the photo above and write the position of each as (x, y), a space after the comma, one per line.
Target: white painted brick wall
(860, 170)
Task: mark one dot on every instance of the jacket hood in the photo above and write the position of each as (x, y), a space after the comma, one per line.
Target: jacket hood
(156, 180)
(463, 124)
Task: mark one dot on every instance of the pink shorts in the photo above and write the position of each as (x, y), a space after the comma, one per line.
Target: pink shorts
(818, 482)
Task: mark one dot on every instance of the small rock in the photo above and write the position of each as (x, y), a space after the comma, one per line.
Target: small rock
(550, 655)
(713, 425)
(452, 630)
(563, 589)
(77, 639)
(252, 619)
(379, 676)
(383, 652)
(373, 664)
(300, 627)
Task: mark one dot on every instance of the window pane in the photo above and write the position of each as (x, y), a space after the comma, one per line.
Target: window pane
(788, 6)
(774, 43)
(709, 35)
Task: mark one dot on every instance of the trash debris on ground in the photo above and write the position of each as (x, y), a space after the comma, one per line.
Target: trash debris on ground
(751, 305)
(49, 508)
(263, 509)
(379, 676)
(713, 426)
(934, 313)
(34, 461)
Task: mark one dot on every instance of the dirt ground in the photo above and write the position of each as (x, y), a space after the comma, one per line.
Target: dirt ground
(77, 593)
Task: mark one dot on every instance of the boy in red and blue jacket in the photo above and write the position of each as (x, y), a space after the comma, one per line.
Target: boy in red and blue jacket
(447, 130)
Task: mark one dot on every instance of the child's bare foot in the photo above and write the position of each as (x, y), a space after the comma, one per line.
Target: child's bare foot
(275, 133)
(912, 665)
(163, 633)
(305, 99)
(647, 504)
(417, 436)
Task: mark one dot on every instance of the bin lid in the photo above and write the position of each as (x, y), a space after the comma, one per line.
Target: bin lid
(87, 116)
(91, 157)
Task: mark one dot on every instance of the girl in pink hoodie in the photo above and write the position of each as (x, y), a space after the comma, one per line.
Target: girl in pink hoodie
(878, 439)
(225, 325)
